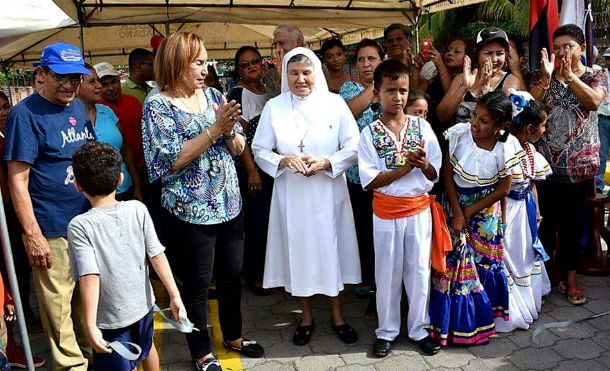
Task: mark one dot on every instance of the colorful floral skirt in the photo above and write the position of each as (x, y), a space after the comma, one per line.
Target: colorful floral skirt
(473, 289)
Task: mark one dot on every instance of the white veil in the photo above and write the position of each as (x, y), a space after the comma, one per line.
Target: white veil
(320, 84)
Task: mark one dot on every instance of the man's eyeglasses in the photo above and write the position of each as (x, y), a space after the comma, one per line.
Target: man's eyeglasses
(63, 79)
(247, 64)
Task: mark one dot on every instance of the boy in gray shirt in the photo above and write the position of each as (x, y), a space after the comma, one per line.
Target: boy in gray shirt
(109, 247)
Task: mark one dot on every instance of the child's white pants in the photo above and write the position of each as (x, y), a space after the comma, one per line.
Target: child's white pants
(402, 254)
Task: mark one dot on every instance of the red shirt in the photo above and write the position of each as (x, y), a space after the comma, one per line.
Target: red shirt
(129, 112)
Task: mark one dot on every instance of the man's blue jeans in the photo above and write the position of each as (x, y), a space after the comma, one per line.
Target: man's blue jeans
(603, 125)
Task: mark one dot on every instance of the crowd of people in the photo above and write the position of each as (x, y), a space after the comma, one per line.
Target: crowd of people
(422, 180)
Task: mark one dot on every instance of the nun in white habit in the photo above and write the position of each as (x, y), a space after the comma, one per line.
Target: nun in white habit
(306, 139)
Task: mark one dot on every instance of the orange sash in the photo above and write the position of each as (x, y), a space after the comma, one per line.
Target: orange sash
(393, 207)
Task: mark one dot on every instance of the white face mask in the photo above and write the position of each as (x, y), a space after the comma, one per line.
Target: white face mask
(123, 348)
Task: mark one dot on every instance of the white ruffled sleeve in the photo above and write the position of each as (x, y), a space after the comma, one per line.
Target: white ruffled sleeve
(542, 169)
(509, 156)
(453, 134)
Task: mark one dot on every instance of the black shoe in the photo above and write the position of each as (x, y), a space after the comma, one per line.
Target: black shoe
(382, 348)
(249, 348)
(259, 290)
(429, 345)
(210, 364)
(302, 335)
(345, 332)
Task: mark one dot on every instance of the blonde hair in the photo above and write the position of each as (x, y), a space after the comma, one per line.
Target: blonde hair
(172, 62)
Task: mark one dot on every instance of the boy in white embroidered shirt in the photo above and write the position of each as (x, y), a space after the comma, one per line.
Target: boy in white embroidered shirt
(399, 158)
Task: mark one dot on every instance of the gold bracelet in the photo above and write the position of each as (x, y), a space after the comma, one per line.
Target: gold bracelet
(207, 132)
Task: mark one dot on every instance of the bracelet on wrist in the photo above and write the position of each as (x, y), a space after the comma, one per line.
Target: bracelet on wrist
(207, 132)
(229, 137)
(545, 88)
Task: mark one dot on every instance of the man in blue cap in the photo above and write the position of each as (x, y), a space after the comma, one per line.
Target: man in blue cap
(42, 132)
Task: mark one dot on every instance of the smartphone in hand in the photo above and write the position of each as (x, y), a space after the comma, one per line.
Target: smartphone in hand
(425, 47)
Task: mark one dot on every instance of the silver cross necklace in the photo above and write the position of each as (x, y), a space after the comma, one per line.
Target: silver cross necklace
(296, 124)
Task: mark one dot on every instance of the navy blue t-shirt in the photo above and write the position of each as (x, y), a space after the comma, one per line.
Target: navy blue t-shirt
(45, 135)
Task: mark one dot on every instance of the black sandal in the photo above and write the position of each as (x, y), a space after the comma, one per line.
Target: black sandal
(249, 348)
(345, 332)
(302, 335)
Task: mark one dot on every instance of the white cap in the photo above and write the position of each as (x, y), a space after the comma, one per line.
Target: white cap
(105, 69)
(606, 53)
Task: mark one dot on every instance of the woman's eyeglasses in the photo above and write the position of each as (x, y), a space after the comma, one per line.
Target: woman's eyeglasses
(252, 62)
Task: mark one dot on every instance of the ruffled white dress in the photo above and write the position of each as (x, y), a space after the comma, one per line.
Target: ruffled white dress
(527, 278)
(473, 289)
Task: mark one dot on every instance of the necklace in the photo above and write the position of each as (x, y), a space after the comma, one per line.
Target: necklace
(190, 107)
(296, 124)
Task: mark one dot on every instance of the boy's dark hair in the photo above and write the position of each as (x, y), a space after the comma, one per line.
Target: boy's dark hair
(500, 108)
(397, 26)
(97, 167)
(571, 30)
(368, 42)
(533, 115)
(137, 56)
(391, 69)
(329, 44)
(415, 95)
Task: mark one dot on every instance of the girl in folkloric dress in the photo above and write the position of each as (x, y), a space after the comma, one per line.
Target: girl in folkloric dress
(523, 252)
(473, 290)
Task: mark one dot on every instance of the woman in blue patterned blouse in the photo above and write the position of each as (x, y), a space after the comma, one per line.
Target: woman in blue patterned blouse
(190, 135)
(359, 97)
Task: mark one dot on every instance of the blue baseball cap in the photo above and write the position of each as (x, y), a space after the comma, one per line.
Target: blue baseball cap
(63, 59)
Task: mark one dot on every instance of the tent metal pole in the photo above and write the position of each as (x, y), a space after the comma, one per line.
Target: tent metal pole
(8, 84)
(10, 269)
(416, 26)
(81, 35)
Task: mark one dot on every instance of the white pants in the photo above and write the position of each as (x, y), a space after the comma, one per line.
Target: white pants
(402, 254)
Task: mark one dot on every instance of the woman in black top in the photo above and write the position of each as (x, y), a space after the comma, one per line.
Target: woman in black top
(255, 185)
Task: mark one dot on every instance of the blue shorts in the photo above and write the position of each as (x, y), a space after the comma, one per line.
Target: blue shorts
(140, 333)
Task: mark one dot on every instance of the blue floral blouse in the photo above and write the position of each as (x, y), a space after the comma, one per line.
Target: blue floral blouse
(350, 90)
(205, 191)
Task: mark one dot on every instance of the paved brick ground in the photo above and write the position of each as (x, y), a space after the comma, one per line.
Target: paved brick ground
(271, 320)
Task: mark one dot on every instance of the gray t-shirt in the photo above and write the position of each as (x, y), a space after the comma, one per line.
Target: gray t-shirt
(114, 242)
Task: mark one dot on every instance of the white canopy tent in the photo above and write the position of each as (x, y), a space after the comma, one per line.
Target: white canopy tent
(109, 29)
